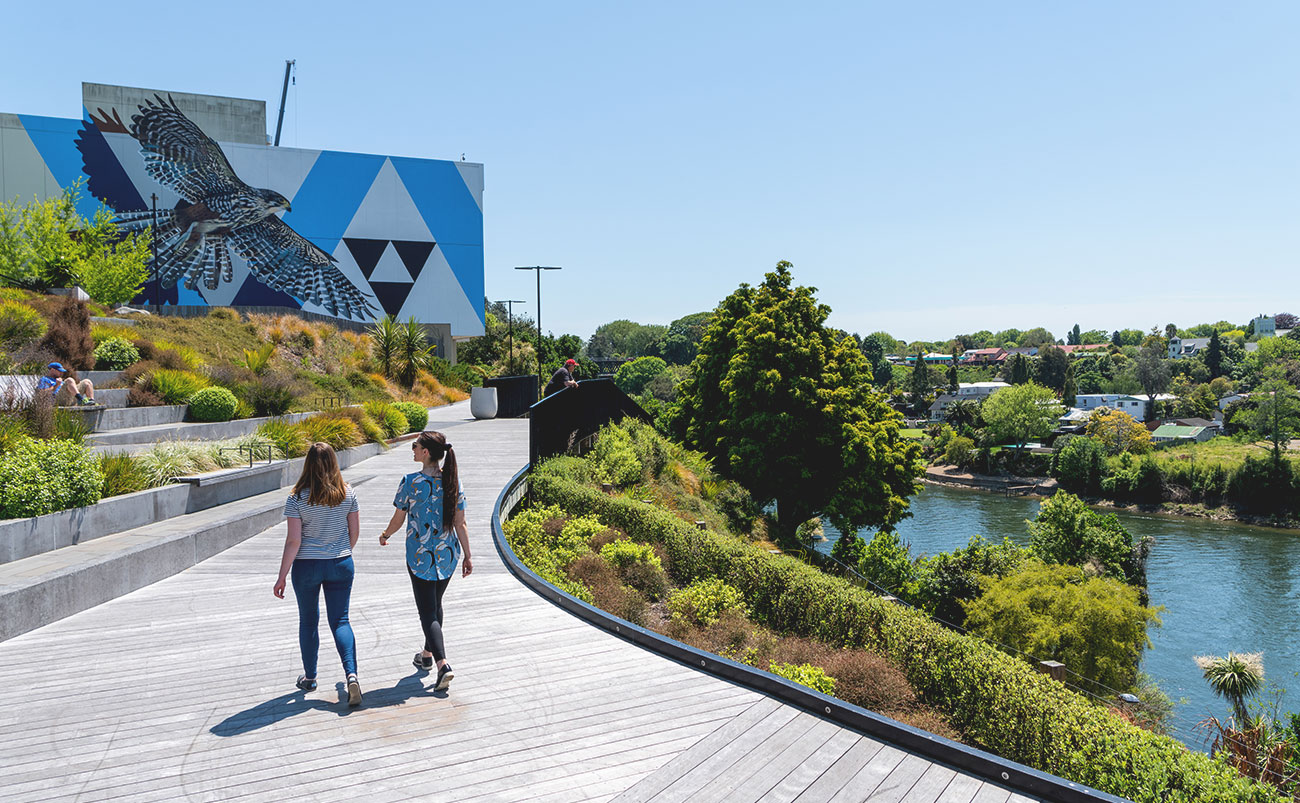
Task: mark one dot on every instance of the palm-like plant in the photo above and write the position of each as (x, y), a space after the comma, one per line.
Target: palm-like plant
(413, 351)
(1234, 677)
(385, 337)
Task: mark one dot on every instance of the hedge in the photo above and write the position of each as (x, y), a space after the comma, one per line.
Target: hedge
(996, 700)
(44, 476)
(417, 415)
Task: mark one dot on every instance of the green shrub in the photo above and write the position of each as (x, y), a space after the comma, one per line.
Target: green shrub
(122, 475)
(395, 423)
(223, 314)
(213, 404)
(166, 461)
(994, 699)
(638, 566)
(20, 325)
(269, 395)
(175, 386)
(388, 416)
(370, 431)
(42, 476)
(340, 433)
(13, 430)
(546, 554)
(115, 354)
(417, 415)
(814, 677)
(288, 438)
(615, 458)
(704, 601)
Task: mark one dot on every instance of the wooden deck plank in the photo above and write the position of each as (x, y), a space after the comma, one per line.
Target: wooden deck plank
(802, 776)
(961, 789)
(830, 782)
(191, 696)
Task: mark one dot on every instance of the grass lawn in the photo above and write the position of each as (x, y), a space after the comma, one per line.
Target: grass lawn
(1226, 451)
(915, 434)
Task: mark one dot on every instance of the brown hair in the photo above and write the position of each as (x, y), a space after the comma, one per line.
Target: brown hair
(321, 477)
(439, 449)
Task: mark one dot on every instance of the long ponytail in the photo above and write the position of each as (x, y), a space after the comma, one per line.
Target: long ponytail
(439, 449)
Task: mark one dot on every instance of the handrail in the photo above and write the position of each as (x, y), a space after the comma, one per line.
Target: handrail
(559, 422)
(977, 762)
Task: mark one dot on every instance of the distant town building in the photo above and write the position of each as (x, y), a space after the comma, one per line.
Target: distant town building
(1180, 347)
(1265, 326)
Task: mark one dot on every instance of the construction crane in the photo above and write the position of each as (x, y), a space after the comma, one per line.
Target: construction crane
(284, 93)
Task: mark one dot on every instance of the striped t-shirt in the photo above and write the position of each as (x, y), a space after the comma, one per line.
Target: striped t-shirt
(324, 528)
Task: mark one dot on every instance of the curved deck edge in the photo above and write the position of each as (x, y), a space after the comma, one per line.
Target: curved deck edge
(958, 756)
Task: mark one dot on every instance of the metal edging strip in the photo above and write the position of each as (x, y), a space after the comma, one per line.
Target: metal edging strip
(981, 763)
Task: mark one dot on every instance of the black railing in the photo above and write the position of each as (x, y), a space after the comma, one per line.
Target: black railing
(515, 394)
(564, 421)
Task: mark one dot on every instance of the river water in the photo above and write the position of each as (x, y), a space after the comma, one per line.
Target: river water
(1224, 586)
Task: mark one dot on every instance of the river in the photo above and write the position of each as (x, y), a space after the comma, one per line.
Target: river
(1224, 586)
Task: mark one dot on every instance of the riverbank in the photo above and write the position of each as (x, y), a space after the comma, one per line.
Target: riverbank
(953, 477)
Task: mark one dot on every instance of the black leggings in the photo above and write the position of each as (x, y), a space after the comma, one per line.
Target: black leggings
(428, 601)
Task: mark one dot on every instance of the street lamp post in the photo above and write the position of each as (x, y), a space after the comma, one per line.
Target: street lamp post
(539, 269)
(510, 326)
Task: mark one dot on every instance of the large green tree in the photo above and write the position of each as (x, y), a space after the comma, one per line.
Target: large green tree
(784, 407)
(1020, 412)
(682, 340)
(624, 338)
(1051, 368)
(48, 244)
(1153, 370)
(1096, 626)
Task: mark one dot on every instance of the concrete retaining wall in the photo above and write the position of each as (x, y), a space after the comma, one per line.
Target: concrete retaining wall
(23, 538)
(130, 417)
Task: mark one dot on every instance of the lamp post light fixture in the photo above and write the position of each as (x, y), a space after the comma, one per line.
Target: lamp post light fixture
(539, 269)
(510, 325)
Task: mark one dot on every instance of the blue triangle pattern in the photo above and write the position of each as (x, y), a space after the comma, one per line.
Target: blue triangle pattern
(453, 218)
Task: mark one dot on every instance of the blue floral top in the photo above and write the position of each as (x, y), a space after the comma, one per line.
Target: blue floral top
(431, 552)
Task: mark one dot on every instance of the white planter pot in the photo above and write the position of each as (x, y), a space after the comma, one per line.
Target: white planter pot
(483, 402)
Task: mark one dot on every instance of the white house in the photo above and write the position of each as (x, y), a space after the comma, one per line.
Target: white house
(977, 391)
(1135, 405)
(1265, 326)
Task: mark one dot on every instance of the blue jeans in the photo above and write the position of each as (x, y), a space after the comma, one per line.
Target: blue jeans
(335, 575)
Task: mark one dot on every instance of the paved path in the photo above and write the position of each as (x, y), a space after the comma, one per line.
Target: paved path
(183, 691)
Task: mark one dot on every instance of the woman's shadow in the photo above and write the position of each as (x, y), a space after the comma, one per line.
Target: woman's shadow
(281, 708)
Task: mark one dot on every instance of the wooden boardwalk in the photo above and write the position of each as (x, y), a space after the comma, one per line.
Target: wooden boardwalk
(183, 690)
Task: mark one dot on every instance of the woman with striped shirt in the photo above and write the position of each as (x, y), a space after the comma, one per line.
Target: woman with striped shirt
(324, 522)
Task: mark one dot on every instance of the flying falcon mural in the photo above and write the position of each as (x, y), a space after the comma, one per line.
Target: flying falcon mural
(219, 213)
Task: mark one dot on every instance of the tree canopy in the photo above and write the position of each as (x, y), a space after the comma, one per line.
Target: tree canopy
(1117, 431)
(681, 342)
(782, 406)
(1020, 412)
(1094, 625)
(48, 244)
(624, 338)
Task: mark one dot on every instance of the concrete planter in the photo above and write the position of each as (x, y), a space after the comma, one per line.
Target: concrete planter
(483, 402)
(23, 538)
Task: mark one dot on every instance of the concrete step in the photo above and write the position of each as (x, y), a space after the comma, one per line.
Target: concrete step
(139, 438)
(47, 587)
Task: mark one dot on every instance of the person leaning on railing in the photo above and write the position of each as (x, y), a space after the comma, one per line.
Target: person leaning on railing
(562, 378)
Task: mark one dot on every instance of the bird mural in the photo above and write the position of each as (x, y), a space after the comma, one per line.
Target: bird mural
(219, 214)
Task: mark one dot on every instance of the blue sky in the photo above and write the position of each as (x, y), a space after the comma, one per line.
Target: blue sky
(932, 168)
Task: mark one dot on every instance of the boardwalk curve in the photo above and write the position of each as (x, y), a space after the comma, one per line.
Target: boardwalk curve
(183, 691)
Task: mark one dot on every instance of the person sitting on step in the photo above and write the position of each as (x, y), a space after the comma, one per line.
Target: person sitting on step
(66, 389)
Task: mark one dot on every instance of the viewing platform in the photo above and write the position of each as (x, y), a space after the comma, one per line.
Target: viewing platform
(183, 690)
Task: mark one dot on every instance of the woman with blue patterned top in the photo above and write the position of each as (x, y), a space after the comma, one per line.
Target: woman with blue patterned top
(430, 502)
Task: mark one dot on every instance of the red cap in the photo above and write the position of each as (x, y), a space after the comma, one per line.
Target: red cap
(569, 362)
